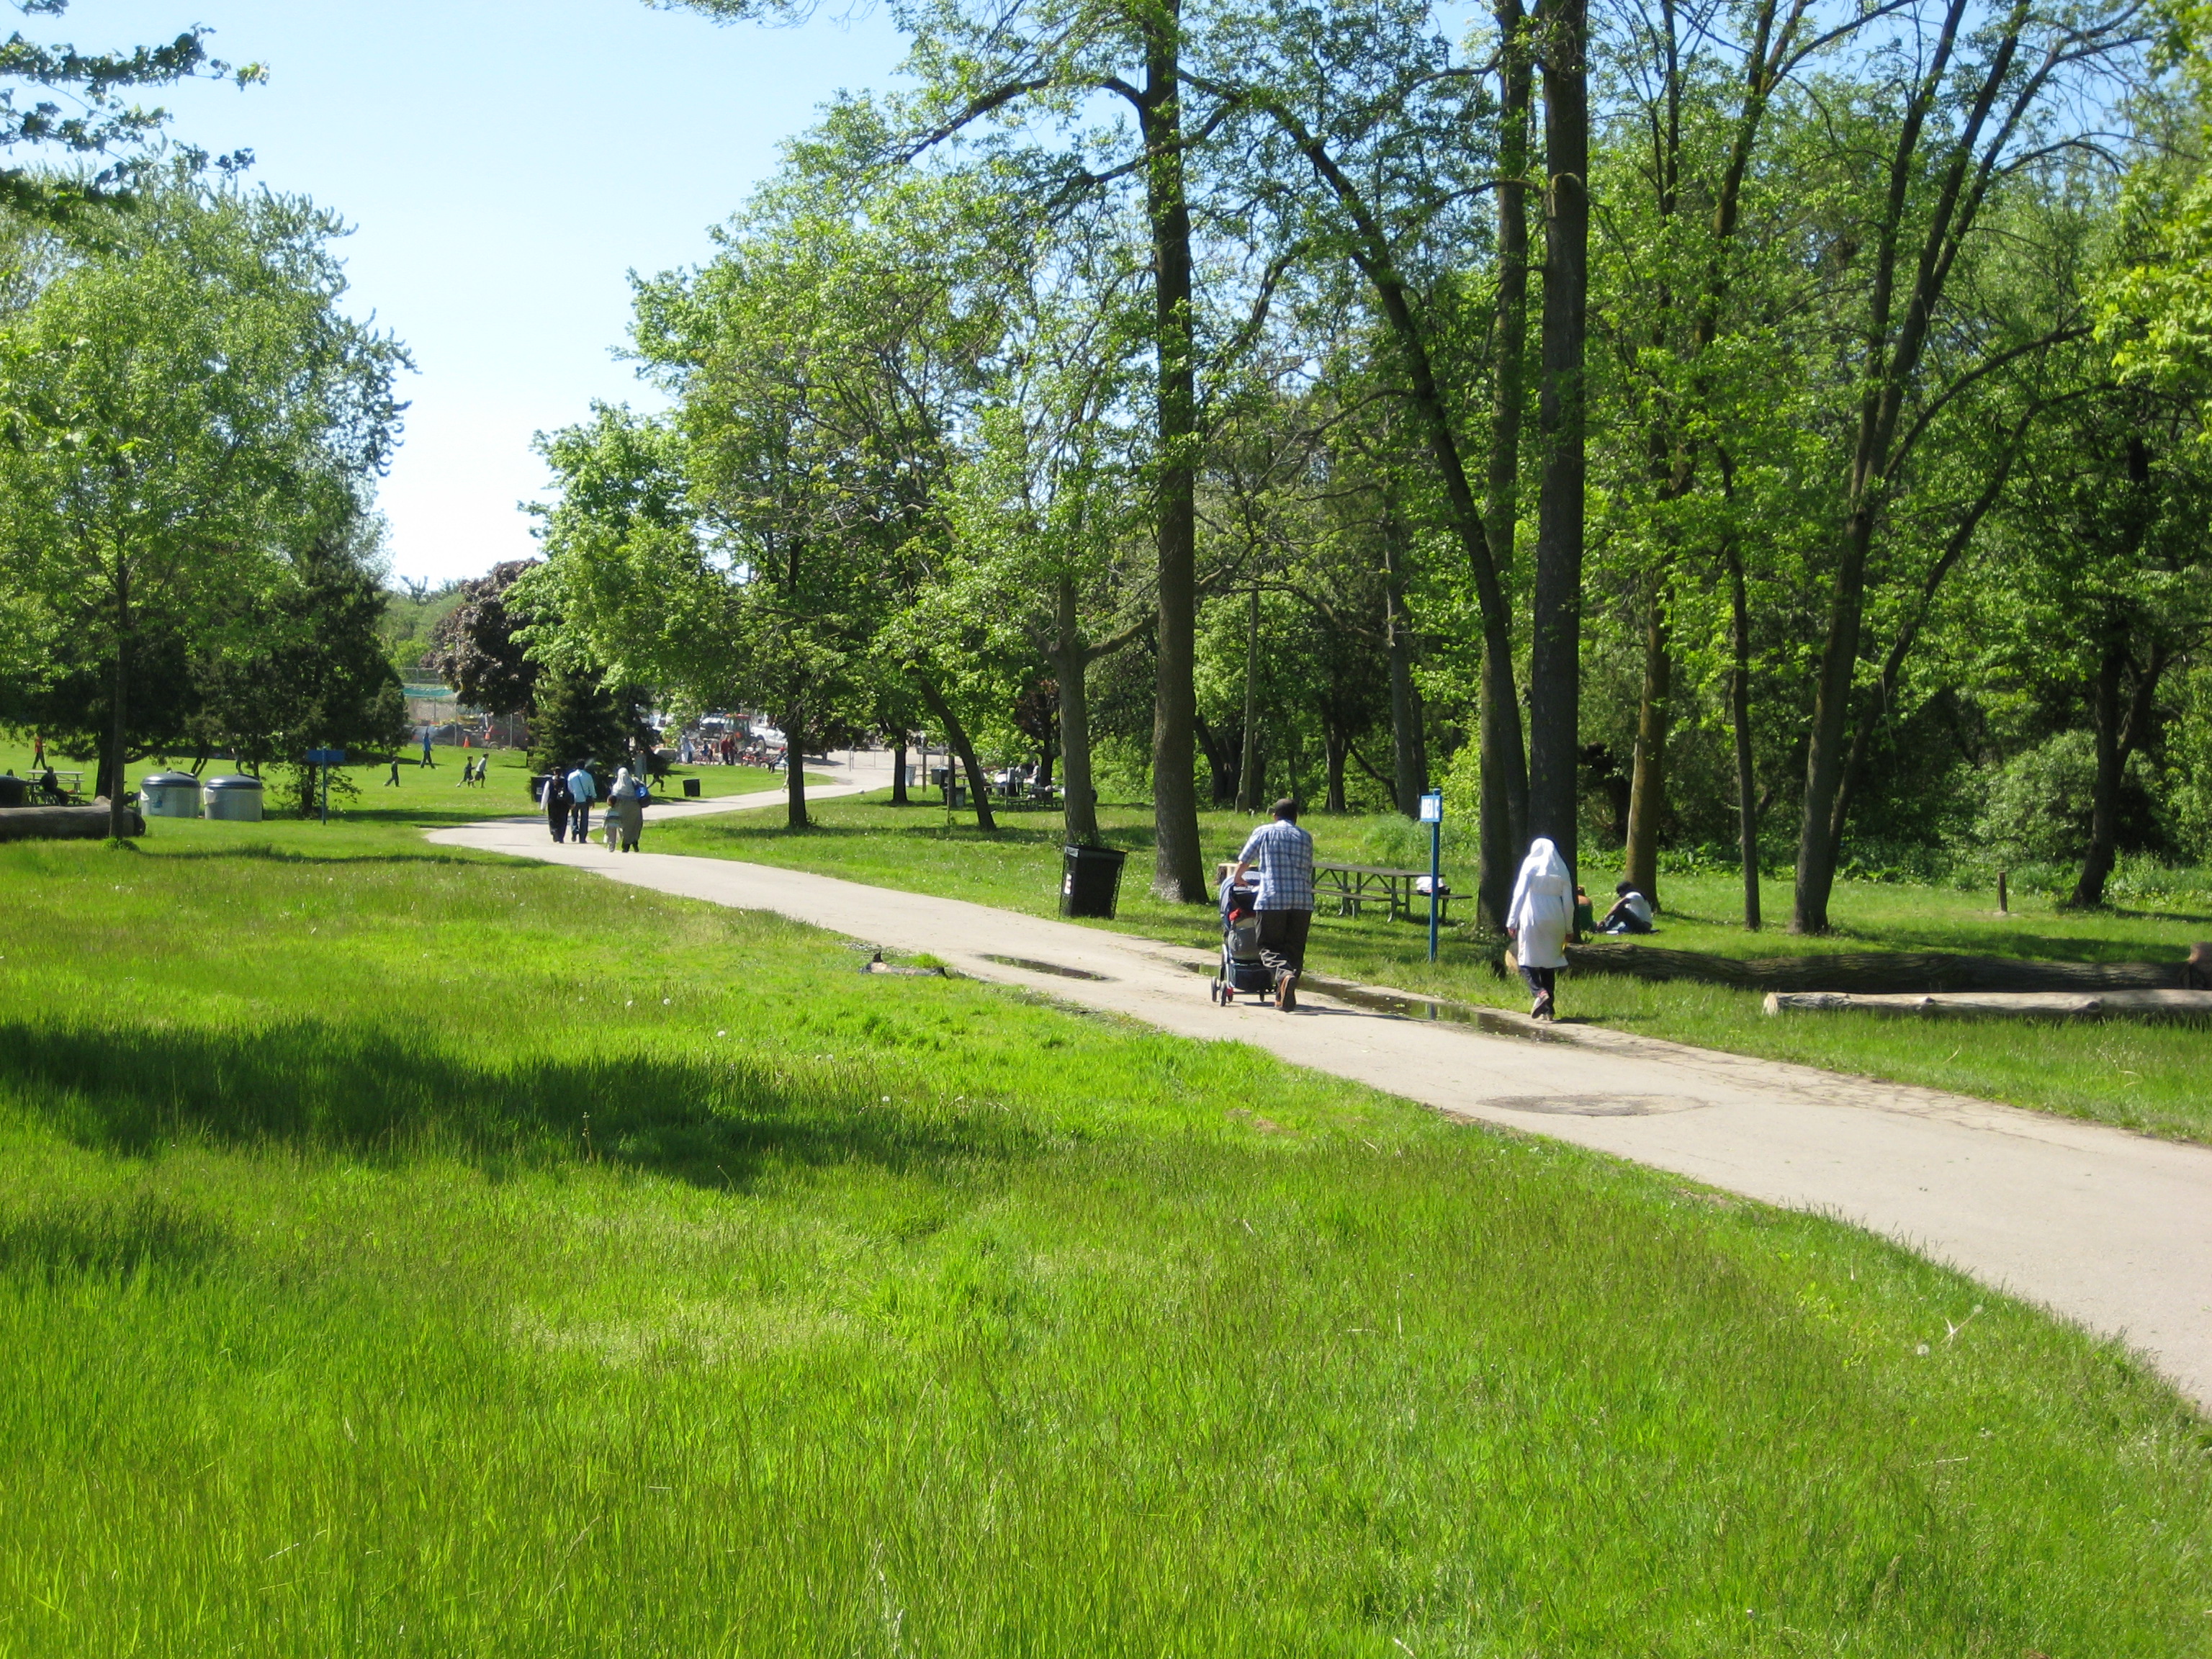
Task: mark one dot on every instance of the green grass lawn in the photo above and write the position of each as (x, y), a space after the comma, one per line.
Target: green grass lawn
(427, 794)
(2146, 1077)
(409, 1252)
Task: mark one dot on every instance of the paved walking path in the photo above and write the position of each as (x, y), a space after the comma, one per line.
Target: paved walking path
(2108, 1228)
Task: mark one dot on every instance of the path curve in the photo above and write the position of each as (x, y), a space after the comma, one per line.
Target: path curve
(2108, 1228)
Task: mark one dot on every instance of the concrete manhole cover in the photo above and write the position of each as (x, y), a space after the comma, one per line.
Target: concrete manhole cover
(1597, 1105)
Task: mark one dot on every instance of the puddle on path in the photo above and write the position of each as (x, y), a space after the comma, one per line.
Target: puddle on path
(1492, 1020)
(1048, 968)
(1596, 1105)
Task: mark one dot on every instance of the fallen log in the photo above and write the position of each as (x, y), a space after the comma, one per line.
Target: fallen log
(1875, 972)
(2002, 1005)
(63, 823)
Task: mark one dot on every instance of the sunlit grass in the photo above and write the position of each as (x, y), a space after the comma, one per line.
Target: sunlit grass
(416, 1254)
(2143, 1077)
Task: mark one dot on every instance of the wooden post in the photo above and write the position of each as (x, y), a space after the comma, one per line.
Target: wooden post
(2000, 893)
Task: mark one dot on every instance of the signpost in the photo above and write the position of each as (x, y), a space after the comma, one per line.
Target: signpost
(1432, 814)
(326, 758)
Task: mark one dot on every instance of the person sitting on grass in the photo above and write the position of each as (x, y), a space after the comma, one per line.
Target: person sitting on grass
(1630, 912)
(1284, 854)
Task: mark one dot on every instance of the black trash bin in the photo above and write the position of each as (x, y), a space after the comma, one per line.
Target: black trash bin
(690, 788)
(1090, 880)
(956, 795)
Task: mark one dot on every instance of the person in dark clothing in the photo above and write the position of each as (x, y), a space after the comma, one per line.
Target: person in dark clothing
(556, 806)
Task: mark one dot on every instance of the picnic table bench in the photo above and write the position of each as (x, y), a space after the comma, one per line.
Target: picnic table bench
(1356, 886)
(32, 791)
(1359, 885)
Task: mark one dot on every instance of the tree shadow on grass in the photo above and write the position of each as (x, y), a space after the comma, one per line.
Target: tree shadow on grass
(268, 853)
(131, 1089)
(106, 1238)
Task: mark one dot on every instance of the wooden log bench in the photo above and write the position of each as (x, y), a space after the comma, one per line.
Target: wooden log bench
(2002, 1005)
(63, 823)
(1876, 973)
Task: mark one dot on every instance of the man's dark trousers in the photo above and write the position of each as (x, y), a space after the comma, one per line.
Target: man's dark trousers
(1283, 940)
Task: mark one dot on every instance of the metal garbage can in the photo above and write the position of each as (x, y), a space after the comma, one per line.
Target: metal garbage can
(235, 797)
(690, 788)
(956, 795)
(15, 791)
(169, 795)
(1090, 880)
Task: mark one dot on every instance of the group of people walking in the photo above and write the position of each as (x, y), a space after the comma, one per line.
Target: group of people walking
(568, 800)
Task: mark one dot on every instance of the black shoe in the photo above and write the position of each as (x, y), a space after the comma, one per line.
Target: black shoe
(1286, 992)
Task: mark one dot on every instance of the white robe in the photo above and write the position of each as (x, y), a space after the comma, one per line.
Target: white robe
(1543, 908)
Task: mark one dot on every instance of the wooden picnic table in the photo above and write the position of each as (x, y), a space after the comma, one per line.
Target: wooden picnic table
(1355, 887)
(1359, 885)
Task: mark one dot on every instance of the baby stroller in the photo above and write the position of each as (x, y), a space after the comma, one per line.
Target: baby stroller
(1242, 970)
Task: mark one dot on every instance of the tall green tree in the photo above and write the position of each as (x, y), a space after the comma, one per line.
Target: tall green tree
(99, 122)
(182, 401)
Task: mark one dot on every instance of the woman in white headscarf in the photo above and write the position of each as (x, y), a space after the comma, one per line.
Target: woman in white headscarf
(1543, 912)
(626, 810)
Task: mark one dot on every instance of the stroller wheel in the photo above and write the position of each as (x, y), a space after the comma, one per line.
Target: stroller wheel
(1214, 991)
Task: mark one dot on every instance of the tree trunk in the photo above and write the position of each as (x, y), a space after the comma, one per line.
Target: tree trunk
(898, 771)
(794, 764)
(1505, 761)
(1071, 664)
(1408, 740)
(956, 739)
(1747, 780)
(2104, 792)
(1892, 346)
(1176, 876)
(1248, 762)
(1555, 651)
(1220, 764)
(1647, 793)
(119, 814)
(2119, 731)
(1335, 746)
(1503, 812)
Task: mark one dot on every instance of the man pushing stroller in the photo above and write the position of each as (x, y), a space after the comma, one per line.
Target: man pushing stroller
(1284, 855)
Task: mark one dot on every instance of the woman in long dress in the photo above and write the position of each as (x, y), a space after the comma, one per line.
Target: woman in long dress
(1543, 912)
(624, 808)
(556, 803)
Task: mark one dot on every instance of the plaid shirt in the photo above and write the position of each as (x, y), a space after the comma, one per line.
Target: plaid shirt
(1284, 854)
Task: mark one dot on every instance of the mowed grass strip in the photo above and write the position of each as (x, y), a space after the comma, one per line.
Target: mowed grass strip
(424, 795)
(416, 1254)
(2139, 1076)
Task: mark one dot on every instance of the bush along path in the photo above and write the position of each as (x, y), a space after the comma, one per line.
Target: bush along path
(2108, 1228)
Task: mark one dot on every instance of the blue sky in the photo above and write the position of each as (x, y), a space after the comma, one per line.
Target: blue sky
(505, 162)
